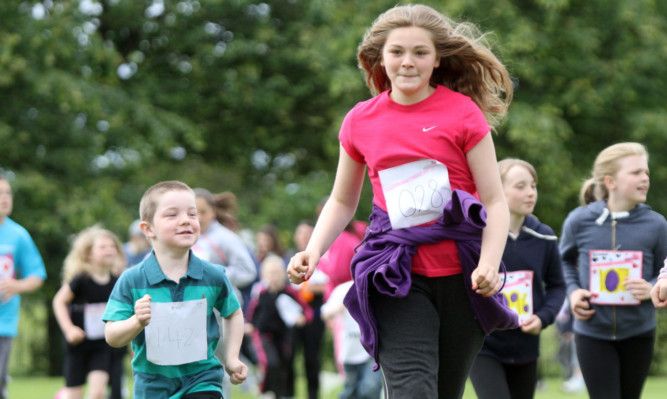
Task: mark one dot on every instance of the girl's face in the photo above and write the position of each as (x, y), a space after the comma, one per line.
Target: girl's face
(409, 57)
(520, 190)
(205, 213)
(631, 182)
(103, 252)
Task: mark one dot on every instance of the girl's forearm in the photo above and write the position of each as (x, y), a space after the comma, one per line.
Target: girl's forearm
(494, 235)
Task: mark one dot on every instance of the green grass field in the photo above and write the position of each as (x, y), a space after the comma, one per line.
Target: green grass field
(28, 384)
(45, 388)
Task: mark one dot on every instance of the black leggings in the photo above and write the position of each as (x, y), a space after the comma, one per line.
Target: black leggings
(615, 369)
(495, 380)
(427, 340)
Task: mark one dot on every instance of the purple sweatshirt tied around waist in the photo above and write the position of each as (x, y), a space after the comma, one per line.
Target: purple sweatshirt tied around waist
(385, 260)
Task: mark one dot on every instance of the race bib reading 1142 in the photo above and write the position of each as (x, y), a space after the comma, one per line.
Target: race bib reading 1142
(176, 333)
(415, 192)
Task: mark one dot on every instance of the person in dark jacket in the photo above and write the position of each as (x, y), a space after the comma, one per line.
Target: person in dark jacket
(506, 367)
(274, 310)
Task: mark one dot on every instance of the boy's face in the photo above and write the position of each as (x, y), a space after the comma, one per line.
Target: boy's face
(6, 200)
(175, 223)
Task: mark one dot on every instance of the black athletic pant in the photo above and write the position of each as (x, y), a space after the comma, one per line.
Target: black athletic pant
(615, 369)
(427, 340)
(495, 380)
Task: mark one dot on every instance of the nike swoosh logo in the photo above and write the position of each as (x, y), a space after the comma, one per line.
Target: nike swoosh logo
(425, 129)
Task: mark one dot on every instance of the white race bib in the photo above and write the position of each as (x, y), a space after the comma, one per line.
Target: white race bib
(176, 333)
(288, 309)
(519, 293)
(415, 192)
(608, 271)
(92, 320)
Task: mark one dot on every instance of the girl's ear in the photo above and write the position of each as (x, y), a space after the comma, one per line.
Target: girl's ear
(609, 182)
(147, 229)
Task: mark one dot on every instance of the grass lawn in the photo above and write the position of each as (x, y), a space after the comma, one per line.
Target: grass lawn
(45, 388)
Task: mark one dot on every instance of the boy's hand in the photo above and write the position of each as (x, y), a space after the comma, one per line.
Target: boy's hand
(237, 370)
(142, 309)
(75, 335)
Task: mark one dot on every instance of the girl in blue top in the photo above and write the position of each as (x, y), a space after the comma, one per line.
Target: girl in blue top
(612, 250)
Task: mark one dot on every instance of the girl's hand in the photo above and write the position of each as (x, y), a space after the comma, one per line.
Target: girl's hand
(659, 293)
(237, 370)
(75, 335)
(639, 288)
(533, 325)
(581, 308)
(300, 321)
(142, 309)
(485, 280)
(301, 266)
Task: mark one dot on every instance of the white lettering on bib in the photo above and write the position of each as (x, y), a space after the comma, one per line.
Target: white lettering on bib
(415, 192)
(92, 320)
(519, 293)
(608, 272)
(176, 333)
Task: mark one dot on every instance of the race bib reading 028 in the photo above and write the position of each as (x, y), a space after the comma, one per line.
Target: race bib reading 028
(415, 192)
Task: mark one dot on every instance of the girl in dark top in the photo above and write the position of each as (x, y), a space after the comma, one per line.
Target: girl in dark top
(506, 367)
(274, 310)
(89, 274)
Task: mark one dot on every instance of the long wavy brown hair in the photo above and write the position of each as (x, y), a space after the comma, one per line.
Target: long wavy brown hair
(467, 64)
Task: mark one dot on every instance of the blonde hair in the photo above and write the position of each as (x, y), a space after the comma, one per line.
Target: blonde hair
(467, 65)
(150, 199)
(607, 164)
(78, 258)
(508, 163)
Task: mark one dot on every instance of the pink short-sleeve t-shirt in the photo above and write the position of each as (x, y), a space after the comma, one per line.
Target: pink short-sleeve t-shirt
(444, 127)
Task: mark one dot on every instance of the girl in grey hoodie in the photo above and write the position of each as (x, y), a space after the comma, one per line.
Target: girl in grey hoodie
(614, 335)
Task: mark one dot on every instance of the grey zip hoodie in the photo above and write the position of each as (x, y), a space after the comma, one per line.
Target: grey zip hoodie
(593, 227)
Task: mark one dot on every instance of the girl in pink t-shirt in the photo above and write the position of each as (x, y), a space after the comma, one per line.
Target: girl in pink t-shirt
(438, 91)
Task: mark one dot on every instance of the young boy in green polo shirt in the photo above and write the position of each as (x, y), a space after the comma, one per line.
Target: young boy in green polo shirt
(165, 306)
